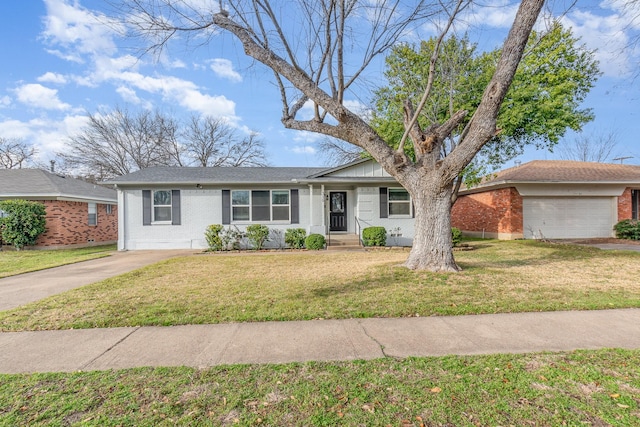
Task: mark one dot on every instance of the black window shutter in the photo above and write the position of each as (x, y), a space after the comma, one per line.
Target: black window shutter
(226, 206)
(146, 207)
(295, 207)
(175, 207)
(384, 203)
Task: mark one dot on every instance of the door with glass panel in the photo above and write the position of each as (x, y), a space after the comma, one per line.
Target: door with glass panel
(338, 211)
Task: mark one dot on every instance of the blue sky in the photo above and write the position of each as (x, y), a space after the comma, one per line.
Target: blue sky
(59, 62)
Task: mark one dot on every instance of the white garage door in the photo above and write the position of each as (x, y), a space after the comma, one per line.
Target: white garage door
(568, 217)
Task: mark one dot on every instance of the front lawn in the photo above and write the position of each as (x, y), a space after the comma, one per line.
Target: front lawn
(582, 388)
(514, 276)
(24, 261)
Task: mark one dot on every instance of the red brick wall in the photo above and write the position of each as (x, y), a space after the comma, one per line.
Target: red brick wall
(624, 205)
(497, 211)
(68, 224)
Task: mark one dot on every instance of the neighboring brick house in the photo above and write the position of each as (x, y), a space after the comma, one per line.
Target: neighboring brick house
(77, 213)
(550, 199)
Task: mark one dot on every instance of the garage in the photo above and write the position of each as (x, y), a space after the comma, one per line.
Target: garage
(568, 217)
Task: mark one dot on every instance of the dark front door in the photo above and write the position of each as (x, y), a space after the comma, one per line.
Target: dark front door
(338, 211)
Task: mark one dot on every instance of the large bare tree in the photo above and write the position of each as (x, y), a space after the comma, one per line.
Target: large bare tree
(597, 147)
(318, 49)
(15, 153)
(119, 142)
(210, 141)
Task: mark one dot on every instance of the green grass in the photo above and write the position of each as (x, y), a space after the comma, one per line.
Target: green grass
(578, 388)
(18, 262)
(498, 277)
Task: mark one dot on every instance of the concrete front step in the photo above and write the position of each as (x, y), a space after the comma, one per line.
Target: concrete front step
(343, 242)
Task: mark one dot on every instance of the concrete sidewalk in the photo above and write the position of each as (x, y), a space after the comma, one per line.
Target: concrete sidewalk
(25, 288)
(318, 340)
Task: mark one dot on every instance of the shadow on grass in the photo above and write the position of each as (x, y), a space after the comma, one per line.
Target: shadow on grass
(549, 253)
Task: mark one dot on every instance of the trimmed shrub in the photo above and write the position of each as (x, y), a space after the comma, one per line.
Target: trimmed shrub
(456, 236)
(628, 229)
(374, 236)
(212, 236)
(294, 237)
(314, 242)
(23, 223)
(257, 234)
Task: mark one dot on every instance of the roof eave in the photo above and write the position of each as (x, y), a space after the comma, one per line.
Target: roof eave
(512, 183)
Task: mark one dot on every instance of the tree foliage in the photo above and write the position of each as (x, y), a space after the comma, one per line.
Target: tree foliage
(544, 99)
(22, 222)
(15, 153)
(120, 142)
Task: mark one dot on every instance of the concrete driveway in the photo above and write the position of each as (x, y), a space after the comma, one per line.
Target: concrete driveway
(25, 288)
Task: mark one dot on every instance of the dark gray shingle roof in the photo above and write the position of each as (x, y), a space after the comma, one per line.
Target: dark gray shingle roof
(226, 175)
(40, 184)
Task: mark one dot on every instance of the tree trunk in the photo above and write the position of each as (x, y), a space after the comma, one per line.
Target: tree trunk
(432, 244)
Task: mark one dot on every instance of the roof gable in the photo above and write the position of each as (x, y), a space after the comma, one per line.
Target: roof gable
(362, 168)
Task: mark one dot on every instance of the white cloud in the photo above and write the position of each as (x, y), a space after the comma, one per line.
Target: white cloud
(304, 149)
(36, 95)
(223, 68)
(307, 138)
(5, 101)
(182, 92)
(78, 30)
(129, 95)
(50, 77)
(46, 134)
(358, 108)
(608, 34)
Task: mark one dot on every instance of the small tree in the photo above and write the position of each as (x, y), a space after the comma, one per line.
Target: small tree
(23, 223)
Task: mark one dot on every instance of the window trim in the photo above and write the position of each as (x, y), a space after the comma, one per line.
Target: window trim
(92, 219)
(154, 206)
(108, 208)
(389, 202)
(250, 206)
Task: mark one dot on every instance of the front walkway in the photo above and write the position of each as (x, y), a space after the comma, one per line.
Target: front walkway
(317, 340)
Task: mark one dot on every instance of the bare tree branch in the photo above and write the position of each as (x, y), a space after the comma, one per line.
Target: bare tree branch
(16, 154)
(599, 148)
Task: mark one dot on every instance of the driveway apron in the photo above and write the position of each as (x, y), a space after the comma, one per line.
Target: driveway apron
(25, 288)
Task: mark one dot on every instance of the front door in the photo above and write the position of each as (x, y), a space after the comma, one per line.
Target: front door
(338, 211)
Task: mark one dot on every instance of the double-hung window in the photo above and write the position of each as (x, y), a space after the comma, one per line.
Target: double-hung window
(93, 213)
(260, 205)
(399, 202)
(161, 206)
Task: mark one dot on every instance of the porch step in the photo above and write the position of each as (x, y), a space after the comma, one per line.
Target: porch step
(343, 242)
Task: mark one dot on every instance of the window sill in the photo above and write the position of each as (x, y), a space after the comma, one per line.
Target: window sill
(260, 222)
(161, 223)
